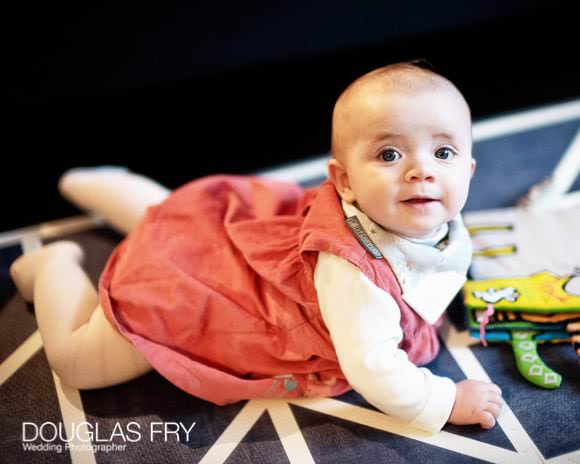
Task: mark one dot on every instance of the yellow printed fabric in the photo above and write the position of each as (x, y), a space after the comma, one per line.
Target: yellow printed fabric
(541, 293)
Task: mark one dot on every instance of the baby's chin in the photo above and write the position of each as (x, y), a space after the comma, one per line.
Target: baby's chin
(417, 228)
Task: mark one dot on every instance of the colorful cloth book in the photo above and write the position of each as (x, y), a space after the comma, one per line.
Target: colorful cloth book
(525, 286)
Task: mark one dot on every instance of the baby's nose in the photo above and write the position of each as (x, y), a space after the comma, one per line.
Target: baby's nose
(420, 172)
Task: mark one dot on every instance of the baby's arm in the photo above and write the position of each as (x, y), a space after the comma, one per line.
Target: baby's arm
(364, 323)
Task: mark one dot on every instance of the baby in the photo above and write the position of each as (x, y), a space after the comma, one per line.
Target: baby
(238, 287)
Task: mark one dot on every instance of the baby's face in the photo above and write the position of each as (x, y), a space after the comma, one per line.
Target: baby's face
(407, 159)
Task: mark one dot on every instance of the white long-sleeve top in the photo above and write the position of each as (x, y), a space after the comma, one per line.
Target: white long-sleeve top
(364, 321)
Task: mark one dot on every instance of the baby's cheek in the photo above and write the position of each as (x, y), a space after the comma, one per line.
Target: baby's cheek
(460, 194)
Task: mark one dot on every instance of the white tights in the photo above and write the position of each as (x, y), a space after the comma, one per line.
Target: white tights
(80, 343)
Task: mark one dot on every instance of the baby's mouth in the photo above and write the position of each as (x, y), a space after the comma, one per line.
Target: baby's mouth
(419, 200)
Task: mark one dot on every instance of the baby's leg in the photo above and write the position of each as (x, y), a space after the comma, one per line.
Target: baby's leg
(116, 194)
(80, 343)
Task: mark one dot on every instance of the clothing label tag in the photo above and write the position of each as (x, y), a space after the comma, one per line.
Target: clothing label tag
(357, 229)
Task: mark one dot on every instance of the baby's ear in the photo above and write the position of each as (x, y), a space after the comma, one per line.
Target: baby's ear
(473, 166)
(339, 177)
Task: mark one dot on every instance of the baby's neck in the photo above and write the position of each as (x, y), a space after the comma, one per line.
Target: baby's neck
(433, 239)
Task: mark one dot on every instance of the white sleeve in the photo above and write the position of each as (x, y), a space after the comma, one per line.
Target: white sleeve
(364, 324)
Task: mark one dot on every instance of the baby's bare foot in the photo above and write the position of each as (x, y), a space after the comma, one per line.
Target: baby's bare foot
(24, 270)
(77, 178)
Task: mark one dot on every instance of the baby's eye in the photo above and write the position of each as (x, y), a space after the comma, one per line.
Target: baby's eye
(390, 155)
(444, 153)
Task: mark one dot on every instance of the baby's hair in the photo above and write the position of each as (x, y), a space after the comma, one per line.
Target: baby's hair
(407, 76)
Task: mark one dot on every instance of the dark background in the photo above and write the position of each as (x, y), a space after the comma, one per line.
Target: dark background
(184, 89)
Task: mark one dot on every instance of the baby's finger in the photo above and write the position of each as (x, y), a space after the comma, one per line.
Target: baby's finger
(493, 408)
(487, 421)
(495, 389)
(496, 400)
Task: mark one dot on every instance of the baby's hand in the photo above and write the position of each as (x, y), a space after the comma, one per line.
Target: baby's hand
(476, 403)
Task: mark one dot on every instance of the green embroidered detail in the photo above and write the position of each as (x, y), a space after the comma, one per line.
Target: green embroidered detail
(529, 363)
(290, 385)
